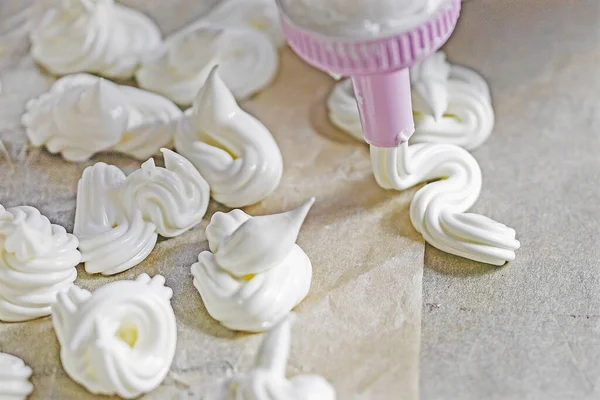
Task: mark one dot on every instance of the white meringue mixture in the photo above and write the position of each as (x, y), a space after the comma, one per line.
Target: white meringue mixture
(119, 340)
(98, 36)
(267, 381)
(233, 151)
(118, 218)
(83, 114)
(451, 104)
(14, 378)
(254, 273)
(247, 59)
(439, 210)
(37, 261)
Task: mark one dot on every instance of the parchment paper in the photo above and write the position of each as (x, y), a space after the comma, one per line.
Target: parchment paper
(359, 325)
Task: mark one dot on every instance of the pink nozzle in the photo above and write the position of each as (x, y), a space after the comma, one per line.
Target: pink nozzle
(378, 67)
(385, 105)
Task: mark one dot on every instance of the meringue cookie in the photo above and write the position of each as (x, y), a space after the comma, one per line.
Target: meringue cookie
(233, 150)
(117, 219)
(266, 381)
(451, 104)
(83, 114)
(37, 261)
(438, 210)
(255, 273)
(261, 15)
(121, 339)
(248, 62)
(97, 36)
(14, 378)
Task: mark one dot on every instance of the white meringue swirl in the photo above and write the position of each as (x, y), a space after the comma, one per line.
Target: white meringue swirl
(37, 261)
(266, 381)
(97, 36)
(83, 114)
(121, 339)
(233, 150)
(256, 273)
(248, 62)
(14, 378)
(438, 210)
(451, 104)
(117, 218)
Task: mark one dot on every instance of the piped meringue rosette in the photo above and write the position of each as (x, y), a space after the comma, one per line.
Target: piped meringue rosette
(254, 273)
(98, 36)
(14, 378)
(267, 381)
(83, 114)
(439, 210)
(118, 218)
(451, 104)
(247, 60)
(119, 340)
(234, 151)
(37, 261)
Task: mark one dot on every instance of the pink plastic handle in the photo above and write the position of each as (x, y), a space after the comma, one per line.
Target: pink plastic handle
(385, 105)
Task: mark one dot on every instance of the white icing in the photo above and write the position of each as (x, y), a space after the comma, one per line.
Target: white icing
(37, 260)
(121, 339)
(359, 18)
(451, 104)
(83, 114)
(96, 36)
(267, 381)
(261, 15)
(255, 273)
(233, 150)
(118, 218)
(438, 210)
(247, 60)
(14, 378)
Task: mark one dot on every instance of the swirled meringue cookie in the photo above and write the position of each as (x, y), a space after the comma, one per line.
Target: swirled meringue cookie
(254, 273)
(438, 210)
(96, 36)
(233, 150)
(83, 114)
(14, 378)
(248, 62)
(37, 261)
(118, 218)
(261, 15)
(121, 339)
(266, 381)
(451, 104)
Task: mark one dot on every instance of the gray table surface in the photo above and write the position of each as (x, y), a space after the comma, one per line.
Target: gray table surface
(530, 330)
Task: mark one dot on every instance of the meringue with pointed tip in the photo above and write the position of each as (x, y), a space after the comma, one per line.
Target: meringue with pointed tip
(451, 104)
(261, 15)
(118, 218)
(255, 272)
(439, 210)
(83, 114)
(37, 261)
(119, 340)
(233, 150)
(267, 381)
(248, 62)
(98, 36)
(14, 378)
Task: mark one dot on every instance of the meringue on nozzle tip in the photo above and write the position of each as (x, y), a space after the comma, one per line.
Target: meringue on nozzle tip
(254, 273)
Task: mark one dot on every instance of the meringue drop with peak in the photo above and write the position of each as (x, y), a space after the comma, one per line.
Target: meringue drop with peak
(255, 273)
(14, 378)
(119, 340)
(267, 381)
(233, 150)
